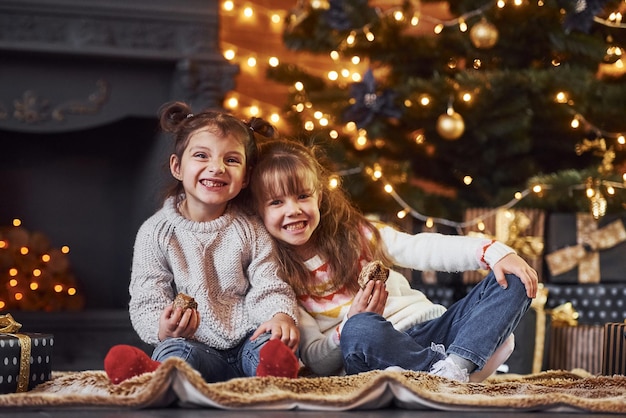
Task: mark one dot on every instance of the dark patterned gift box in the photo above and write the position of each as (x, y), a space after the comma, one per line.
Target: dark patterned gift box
(595, 304)
(580, 249)
(25, 358)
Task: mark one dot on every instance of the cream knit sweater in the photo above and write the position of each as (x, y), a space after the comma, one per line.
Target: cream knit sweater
(226, 264)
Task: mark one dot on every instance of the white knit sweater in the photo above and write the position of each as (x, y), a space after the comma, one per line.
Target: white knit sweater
(322, 318)
(226, 264)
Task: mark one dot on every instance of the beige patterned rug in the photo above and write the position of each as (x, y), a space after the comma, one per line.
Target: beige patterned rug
(175, 381)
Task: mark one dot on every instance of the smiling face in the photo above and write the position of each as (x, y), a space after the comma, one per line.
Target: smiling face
(288, 198)
(292, 218)
(212, 170)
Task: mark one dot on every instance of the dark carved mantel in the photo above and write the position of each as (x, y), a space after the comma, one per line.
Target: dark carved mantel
(71, 64)
(81, 160)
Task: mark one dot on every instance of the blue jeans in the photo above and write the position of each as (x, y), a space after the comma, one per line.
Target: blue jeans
(214, 365)
(472, 328)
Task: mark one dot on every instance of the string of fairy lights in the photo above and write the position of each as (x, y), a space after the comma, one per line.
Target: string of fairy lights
(348, 69)
(37, 275)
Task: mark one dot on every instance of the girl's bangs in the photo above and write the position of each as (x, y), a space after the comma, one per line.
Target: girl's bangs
(286, 177)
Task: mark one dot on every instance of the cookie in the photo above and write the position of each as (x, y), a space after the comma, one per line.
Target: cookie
(374, 270)
(184, 301)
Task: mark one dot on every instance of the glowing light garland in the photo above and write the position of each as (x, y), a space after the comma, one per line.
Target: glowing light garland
(613, 21)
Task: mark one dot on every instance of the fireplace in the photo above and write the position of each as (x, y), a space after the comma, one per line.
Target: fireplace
(81, 158)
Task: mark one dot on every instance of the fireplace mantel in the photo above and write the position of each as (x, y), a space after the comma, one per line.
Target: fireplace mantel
(74, 64)
(81, 82)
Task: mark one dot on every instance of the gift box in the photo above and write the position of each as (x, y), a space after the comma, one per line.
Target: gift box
(614, 349)
(25, 358)
(595, 304)
(521, 229)
(576, 347)
(580, 249)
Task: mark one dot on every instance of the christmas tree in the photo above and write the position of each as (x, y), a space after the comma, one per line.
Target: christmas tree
(498, 99)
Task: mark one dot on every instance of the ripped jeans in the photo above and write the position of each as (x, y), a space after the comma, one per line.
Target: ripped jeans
(472, 328)
(215, 365)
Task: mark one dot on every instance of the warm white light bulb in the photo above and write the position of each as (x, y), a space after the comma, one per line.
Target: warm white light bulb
(229, 54)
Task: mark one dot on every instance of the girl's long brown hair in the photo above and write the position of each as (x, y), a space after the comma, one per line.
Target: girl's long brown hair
(287, 167)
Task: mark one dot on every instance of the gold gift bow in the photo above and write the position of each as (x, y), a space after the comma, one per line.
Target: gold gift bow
(10, 326)
(563, 315)
(511, 225)
(565, 259)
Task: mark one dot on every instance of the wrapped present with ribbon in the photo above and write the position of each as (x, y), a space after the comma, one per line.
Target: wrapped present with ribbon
(614, 361)
(578, 347)
(586, 304)
(521, 229)
(574, 346)
(580, 249)
(25, 357)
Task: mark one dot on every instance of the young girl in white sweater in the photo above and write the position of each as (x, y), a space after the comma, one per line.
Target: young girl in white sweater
(323, 242)
(201, 244)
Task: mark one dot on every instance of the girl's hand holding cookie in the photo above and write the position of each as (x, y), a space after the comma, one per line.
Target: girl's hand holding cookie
(180, 319)
(371, 299)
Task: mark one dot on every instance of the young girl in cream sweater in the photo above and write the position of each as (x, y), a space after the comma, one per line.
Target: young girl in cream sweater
(323, 242)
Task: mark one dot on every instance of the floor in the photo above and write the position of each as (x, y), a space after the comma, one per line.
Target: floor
(212, 413)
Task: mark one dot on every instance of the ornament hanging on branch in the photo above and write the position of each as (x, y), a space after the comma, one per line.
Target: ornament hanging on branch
(368, 103)
(337, 17)
(579, 14)
(450, 125)
(484, 35)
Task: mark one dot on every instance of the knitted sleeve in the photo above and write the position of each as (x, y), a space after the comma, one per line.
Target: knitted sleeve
(269, 294)
(151, 279)
(432, 251)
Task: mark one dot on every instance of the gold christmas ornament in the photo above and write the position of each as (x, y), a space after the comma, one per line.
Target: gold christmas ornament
(450, 125)
(484, 35)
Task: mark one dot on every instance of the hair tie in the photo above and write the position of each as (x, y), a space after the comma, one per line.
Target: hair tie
(189, 115)
(247, 123)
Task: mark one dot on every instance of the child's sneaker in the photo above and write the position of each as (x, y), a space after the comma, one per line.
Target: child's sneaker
(448, 368)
